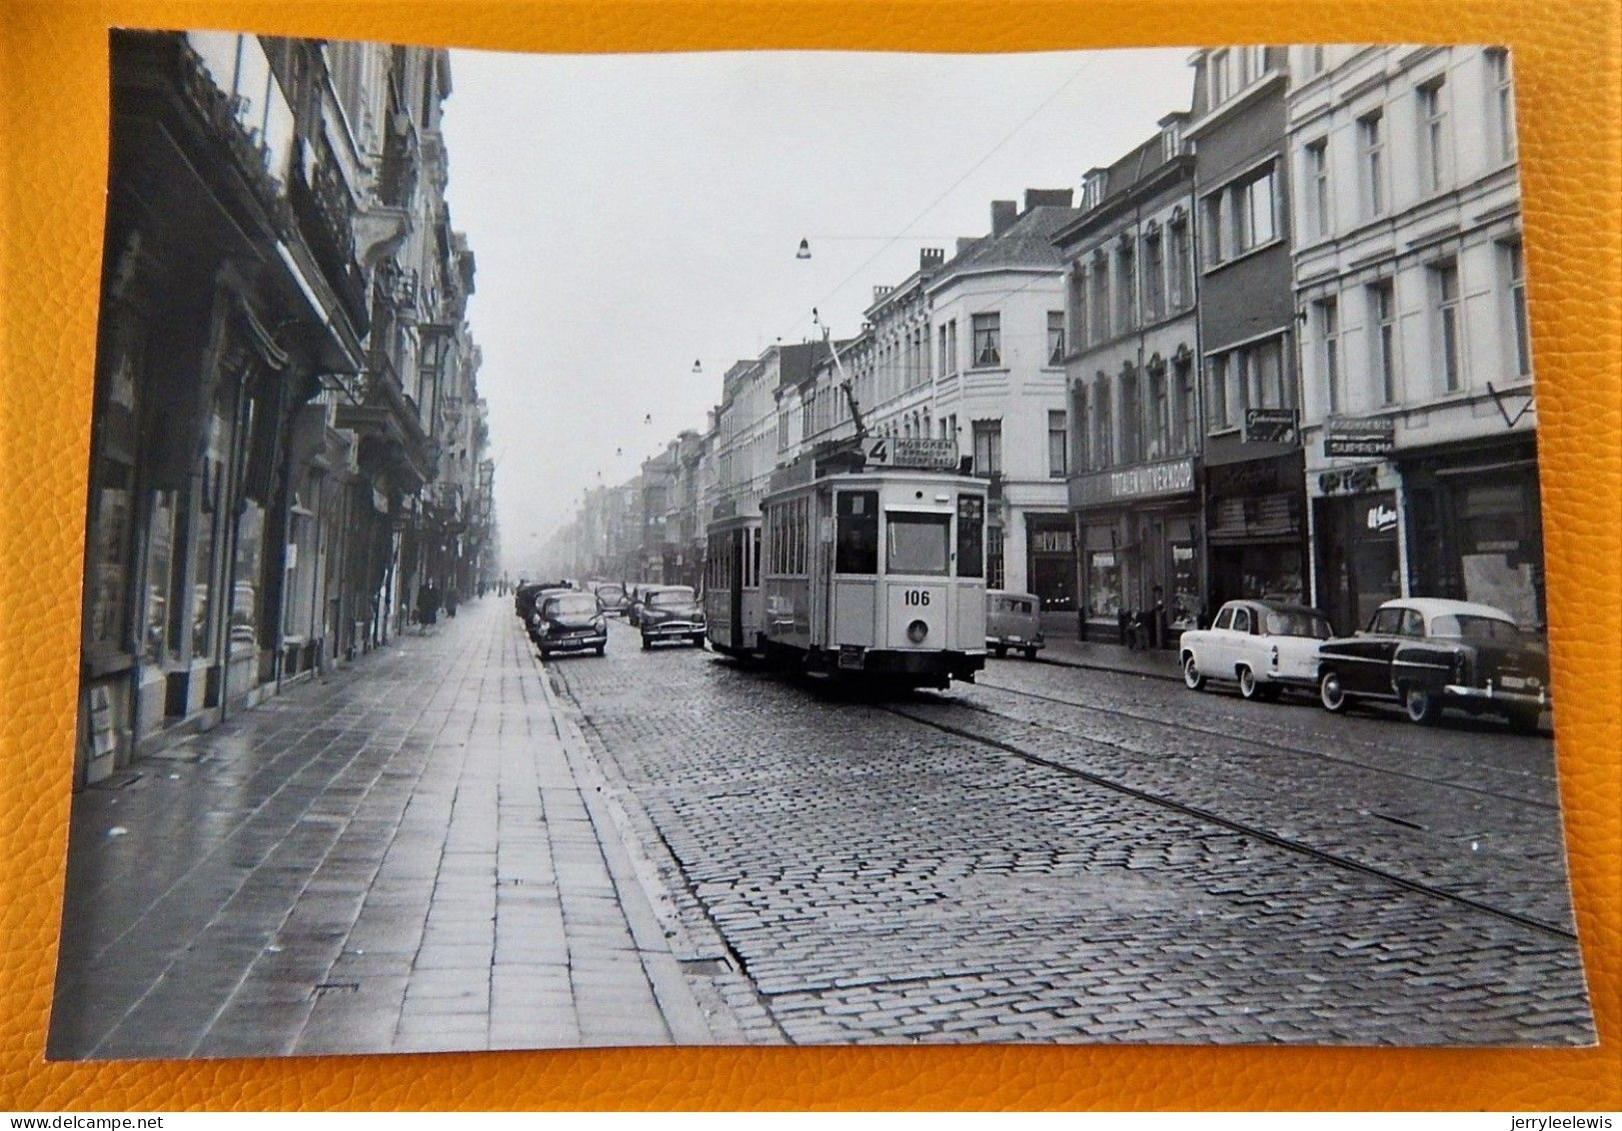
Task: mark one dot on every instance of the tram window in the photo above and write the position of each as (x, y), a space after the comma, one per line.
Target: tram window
(754, 569)
(971, 536)
(858, 546)
(917, 543)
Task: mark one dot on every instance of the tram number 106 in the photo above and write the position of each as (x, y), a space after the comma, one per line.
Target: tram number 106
(915, 597)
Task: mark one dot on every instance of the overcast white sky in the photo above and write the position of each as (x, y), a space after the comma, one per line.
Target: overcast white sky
(631, 214)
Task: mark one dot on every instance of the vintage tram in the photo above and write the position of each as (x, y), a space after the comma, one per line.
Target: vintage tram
(732, 597)
(871, 566)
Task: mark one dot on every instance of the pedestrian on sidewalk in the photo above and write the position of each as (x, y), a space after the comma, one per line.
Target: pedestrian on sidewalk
(427, 605)
(452, 599)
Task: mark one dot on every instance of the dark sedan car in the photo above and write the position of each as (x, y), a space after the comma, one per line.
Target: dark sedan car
(670, 612)
(569, 622)
(1429, 654)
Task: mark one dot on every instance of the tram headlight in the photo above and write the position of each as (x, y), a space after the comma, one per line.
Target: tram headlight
(916, 631)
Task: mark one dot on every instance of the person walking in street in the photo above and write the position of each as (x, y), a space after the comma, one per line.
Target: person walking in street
(452, 599)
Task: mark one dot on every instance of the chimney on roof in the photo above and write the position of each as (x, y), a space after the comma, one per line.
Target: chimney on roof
(1003, 215)
(880, 290)
(931, 257)
(1050, 197)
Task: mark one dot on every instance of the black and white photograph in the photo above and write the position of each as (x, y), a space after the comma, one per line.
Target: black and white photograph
(812, 548)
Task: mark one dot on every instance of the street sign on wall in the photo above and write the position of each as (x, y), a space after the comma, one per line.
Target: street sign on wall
(1360, 436)
(1270, 426)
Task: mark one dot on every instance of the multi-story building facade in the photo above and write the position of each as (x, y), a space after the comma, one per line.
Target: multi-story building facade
(1417, 407)
(1132, 366)
(1253, 498)
(997, 334)
(258, 437)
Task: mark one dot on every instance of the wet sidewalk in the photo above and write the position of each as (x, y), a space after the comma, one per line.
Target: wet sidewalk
(1064, 648)
(403, 857)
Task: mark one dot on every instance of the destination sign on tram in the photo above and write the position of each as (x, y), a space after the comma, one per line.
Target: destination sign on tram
(891, 451)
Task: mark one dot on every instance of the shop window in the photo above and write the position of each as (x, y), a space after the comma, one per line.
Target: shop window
(245, 594)
(1103, 584)
(160, 583)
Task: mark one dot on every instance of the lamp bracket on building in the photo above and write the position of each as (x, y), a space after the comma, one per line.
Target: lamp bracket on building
(1500, 397)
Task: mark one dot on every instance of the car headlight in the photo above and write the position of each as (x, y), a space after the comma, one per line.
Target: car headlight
(916, 631)
(598, 623)
(545, 628)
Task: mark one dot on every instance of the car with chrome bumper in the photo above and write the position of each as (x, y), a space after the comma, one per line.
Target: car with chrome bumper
(1262, 646)
(670, 612)
(1430, 654)
(569, 622)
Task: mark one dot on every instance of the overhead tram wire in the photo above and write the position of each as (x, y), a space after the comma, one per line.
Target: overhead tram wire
(951, 188)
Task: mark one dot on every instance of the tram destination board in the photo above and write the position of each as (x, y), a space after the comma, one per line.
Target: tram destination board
(890, 451)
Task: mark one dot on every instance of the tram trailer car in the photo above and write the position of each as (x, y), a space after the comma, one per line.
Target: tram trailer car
(875, 575)
(732, 596)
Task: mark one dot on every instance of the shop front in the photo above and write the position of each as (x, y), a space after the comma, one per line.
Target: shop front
(1474, 526)
(1256, 529)
(1138, 559)
(1051, 560)
(1355, 532)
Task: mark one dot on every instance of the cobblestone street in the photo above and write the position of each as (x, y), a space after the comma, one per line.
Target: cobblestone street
(449, 845)
(1058, 854)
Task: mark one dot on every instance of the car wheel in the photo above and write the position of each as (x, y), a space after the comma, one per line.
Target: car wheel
(647, 643)
(1030, 653)
(601, 648)
(1000, 651)
(1192, 676)
(1525, 719)
(1332, 694)
(1248, 687)
(1423, 707)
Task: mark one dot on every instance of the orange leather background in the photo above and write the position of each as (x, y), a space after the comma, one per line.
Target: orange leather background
(53, 126)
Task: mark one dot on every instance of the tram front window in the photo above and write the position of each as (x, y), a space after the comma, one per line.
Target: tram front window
(918, 543)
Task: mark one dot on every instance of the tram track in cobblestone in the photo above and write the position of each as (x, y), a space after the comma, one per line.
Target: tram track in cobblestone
(1244, 828)
(1251, 740)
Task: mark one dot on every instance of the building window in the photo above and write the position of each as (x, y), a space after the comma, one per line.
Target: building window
(1317, 187)
(1445, 294)
(1078, 414)
(1076, 304)
(1131, 413)
(1255, 211)
(1383, 340)
(1434, 142)
(1188, 410)
(1058, 437)
(1217, 394)
(1160, 411)
(1181, 277)
(1315, 60)
(1502, 102)
(1515, 273)
(1126, 262)
(988, 447)
(1154, 277)
(1103, 426)
(1264, 377)
(1211, 230)
(994, 562)
(1371, 163)
(1328, 312)
(1219, 76)
(1055, 337)
(987, 340)
(1099, 294)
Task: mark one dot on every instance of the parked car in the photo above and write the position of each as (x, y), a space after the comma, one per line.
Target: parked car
(1429, 654)
(671, 612)
(1013, 622)
(612, 598)
(569, 621)
(536, 600)
(1263, 646)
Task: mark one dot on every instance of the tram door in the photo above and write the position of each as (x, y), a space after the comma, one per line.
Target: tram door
(822, 603)
(737, 547)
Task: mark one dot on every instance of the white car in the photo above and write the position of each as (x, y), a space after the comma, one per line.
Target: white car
(1263, 646)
